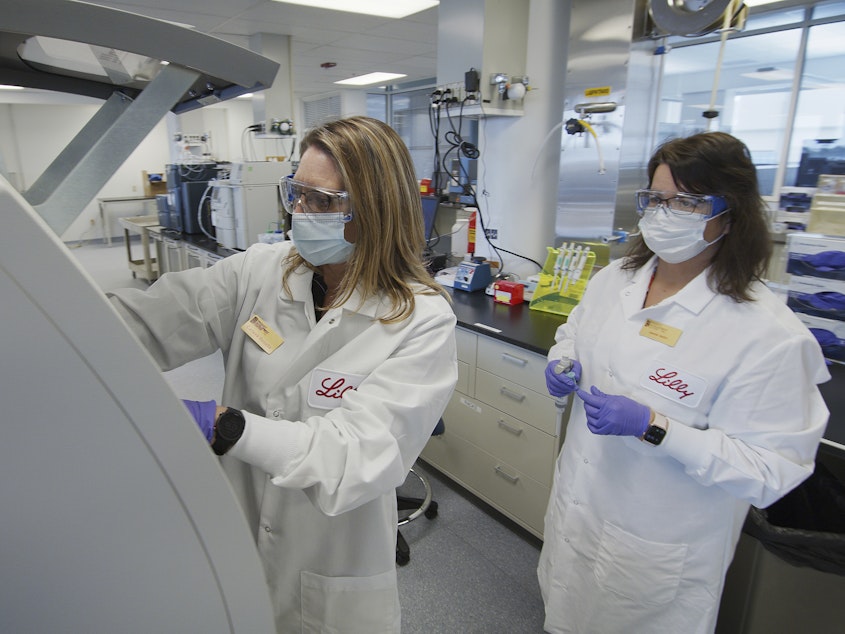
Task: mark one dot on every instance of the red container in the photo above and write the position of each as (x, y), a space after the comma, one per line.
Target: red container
(506, 292)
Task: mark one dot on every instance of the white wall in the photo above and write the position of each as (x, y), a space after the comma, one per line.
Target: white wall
(33, 134)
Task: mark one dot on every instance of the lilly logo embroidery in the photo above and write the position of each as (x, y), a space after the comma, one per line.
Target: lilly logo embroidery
(327, 387)
(676, 385)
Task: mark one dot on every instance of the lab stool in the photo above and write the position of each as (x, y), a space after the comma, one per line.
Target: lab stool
(418, 507)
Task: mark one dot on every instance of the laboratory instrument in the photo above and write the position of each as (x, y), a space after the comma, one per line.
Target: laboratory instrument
(110, 558)
(247, 203)
(472, 276)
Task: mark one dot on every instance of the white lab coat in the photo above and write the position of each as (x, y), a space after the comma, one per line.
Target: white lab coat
(638, 538)
(335, 417)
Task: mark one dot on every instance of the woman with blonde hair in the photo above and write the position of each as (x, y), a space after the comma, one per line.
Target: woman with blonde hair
(330, 401)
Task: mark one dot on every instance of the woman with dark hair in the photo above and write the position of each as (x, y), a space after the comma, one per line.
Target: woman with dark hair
(340, 358)
(697, 397)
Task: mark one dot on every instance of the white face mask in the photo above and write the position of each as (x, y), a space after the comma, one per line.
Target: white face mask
(319, 238)
(674, 238)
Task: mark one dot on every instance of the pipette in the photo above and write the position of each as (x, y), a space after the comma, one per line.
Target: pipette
(564, 366)
(579, 269)
(573, 262)
(558, 263)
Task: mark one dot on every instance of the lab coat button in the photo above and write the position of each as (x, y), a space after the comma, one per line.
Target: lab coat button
(586, 461)
(276, 414)
(267, 528)
(566, 539)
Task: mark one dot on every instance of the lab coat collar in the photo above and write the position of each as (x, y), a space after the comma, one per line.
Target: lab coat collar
(694, 297)
(300, 291)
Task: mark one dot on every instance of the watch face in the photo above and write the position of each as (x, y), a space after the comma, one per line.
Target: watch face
(230, 425)
(654, 435)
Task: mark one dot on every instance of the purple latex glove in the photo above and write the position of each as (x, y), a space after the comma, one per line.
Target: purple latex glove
(611, 414)
(565, 383)
(205, 414)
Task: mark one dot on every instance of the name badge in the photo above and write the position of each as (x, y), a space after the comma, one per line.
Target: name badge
(327, 387)
(676, 385)
(258, 330)
(660, 332)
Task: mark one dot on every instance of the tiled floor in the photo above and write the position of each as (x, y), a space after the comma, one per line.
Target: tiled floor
(471, 569)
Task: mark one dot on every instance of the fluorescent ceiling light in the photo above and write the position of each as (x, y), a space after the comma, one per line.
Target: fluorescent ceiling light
(7, 87)
(757, 3)
(247, 95)
(369, 79)
(383, 8)
(770, 73)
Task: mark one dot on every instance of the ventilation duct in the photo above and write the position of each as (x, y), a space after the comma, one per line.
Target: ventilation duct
(694, 17)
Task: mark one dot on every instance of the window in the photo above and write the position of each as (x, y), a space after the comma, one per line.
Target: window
(410, 118)
(791, 124)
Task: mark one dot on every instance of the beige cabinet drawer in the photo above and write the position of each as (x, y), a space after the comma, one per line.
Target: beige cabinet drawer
(513, 363)
(466, 343)
(528, 449)
(466, 379)
(514, 399)
(494, 481)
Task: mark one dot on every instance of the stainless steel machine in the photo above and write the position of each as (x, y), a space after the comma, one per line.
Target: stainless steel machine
(247, 203)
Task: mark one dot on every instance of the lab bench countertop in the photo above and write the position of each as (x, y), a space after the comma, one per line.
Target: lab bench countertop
(518, 325)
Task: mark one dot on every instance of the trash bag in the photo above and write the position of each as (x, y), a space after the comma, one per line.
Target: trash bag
(806, 527)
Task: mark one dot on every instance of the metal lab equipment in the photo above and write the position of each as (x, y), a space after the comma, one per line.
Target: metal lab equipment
(247, 203)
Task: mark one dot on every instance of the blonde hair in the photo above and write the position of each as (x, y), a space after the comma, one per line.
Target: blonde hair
(378, 173)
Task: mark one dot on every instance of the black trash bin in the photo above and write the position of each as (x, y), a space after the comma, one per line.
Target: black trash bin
(788, 573)
(807, 526)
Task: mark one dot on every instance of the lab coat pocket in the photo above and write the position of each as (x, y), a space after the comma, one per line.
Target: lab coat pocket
(341, 605)
(647, 573)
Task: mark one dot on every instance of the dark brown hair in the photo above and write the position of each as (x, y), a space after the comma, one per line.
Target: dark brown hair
(718, 163)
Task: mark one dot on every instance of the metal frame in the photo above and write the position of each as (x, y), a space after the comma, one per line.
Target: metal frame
(201, 70)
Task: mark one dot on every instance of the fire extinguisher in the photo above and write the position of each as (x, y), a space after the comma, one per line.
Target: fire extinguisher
(471, 234)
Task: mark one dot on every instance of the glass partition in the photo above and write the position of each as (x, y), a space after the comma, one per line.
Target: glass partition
(781, 89)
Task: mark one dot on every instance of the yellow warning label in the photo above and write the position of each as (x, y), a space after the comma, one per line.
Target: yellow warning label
(601, 91)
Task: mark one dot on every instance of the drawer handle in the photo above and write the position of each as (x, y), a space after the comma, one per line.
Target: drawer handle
(515, 360)
(507, 476)
(511, 394)
(516, 431)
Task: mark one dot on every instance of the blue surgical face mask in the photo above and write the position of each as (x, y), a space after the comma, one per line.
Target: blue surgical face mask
(319, 237)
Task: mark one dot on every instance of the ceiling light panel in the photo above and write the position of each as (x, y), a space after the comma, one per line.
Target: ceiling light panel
(382, 8)
(370, 79)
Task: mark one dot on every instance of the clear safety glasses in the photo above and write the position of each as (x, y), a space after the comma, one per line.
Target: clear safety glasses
(313, 200)
(681, 204)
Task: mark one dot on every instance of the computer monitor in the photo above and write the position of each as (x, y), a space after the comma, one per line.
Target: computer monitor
(429, 207)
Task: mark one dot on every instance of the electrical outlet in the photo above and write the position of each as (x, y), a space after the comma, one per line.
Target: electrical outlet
(492, 234)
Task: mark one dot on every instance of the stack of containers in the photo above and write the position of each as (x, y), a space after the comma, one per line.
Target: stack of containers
(816, 264)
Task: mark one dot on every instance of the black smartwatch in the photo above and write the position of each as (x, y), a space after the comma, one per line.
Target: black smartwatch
(656, 431)
(227, 430)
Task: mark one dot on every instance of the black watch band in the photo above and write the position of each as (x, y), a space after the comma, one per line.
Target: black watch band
(227, 430)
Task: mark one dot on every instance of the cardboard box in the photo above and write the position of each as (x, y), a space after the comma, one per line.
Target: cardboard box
(800, 248)
(817, 296)
(153, 188)
(830, 334)
(827, 211)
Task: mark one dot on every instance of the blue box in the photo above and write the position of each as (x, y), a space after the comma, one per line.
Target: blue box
(817, 296)
(816, 255)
